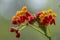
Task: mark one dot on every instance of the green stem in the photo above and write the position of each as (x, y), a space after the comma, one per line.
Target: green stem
(48, 37)
(37, 29)
(22, 28)
(41, 32)
(48, 32)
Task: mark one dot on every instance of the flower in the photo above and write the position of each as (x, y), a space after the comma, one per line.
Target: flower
(31, 20)
(45, 13)
(24, 9)
(50, 11)
(43, 18)
(14, 17)
(46, 18)
(22, 19)
(27, 15)
(19, 13)
(53, 15)
(14, 22)
(38, 14)
(45, 21)
(50, 17)
(52, 22)
(12, 29)
(17, 35)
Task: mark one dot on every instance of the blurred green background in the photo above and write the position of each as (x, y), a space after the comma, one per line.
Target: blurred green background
(8, 9)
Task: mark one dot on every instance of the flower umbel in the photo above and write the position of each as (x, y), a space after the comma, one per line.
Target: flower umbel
(24, 17)
(46, 17)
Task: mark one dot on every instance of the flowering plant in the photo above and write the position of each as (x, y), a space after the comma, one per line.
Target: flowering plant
(25, 18)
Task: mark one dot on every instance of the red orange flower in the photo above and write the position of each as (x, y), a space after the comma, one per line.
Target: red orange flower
(44, 18)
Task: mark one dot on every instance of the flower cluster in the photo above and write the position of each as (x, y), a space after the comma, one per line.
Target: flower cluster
(44, 18)
(20, 17)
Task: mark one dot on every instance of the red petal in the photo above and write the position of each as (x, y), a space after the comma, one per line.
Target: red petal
(28, 14)
(17, 35)
(22, 19)
(50, 17)
(31, 20)
(46, 20)
(43, 23)
(47, 17)
(38, 13)
(14, 22)
(12, 29)
(52, 21)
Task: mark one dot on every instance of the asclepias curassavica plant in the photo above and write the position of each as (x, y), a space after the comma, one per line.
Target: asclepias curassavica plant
(24, 18)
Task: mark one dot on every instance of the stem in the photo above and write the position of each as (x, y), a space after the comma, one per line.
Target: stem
(49, 30)
(48, 34)
(22, 28)
(41, 32)
(48, 37)
(37, 29)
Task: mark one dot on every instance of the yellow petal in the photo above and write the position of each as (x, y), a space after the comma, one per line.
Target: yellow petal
(45, 13)
(50, 11)
(41, 16)
(18, 13)
(24, 9)
(54, 15)
(14, 17)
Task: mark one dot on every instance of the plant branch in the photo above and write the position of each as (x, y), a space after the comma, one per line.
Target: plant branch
(37, 29)
(22, 28)
(41, 32)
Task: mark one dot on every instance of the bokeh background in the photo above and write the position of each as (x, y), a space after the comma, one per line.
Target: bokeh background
(8, 9)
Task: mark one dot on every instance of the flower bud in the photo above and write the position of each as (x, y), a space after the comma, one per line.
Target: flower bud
(17, 35)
